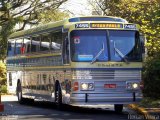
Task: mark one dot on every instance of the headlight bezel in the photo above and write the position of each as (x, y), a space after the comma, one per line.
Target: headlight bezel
(132, 85)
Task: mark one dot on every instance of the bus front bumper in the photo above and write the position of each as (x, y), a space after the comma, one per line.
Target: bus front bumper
(103, 99)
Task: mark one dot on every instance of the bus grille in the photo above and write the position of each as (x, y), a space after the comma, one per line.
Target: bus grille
(117, 75)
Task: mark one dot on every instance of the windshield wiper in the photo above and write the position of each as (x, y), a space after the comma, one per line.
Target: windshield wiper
(99, 53)
(120, 53)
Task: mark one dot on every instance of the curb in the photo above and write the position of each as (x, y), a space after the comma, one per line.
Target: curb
(141, 111)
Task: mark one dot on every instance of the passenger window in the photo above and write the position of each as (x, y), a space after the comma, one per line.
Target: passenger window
(56, 41)
(27, 42)
(45, 43)
(23, 48)
(35, 44)
(11, 45)
(18, 45)
(28, 48)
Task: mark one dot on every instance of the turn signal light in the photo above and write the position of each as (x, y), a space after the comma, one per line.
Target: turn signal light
(75, 86)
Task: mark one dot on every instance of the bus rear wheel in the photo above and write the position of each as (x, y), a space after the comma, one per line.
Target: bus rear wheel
(118, 108)
(19, 93)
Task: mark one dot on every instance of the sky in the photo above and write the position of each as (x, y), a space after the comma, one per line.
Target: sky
(77, 7)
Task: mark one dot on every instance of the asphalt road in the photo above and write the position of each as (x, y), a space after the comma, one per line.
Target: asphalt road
(46, 111)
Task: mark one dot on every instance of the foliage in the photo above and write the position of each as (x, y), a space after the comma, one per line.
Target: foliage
(151, 77)
(52, 15)
(25, 11)
(2, 74)
(4, 89)
(4, 33)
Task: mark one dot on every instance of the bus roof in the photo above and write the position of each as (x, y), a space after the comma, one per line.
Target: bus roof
(60, 24)
(98, 18)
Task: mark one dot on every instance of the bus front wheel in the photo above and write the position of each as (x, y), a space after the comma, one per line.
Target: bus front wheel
(118, 108)
(58, 97)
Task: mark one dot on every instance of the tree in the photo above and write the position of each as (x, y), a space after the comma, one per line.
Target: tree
(23, 12)
(52, 15)
(98, 6)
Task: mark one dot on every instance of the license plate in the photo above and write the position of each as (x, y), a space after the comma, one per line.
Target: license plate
(109, 85)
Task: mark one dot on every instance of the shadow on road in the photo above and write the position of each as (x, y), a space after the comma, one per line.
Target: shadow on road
(67, 108)
(45, 110)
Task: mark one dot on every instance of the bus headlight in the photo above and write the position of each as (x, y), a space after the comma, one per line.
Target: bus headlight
(135, 85)
(84, 86)
(132, 85)
(87, 86)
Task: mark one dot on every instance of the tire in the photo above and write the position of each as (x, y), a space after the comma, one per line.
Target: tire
(21, 100)
(58, 97)
(118, 108)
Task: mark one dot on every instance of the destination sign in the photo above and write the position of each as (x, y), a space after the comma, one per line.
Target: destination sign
(106, 25)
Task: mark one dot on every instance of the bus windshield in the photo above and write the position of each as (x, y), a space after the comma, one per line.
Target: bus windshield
(85, 45)
(105, 45)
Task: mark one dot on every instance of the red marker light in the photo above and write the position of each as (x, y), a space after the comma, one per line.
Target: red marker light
(75, 86)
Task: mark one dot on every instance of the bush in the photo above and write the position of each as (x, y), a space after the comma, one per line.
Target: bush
(3, 79)
(151, 77)
(3, 88)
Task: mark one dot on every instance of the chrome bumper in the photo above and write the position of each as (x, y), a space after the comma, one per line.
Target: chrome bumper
(100, 98)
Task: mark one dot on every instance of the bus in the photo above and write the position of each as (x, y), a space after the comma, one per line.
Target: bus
(80, 61)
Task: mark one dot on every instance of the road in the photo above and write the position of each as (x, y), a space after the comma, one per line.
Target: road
(45, 111)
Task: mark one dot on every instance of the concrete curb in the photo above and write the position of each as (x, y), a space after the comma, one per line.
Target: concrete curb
(141, 111)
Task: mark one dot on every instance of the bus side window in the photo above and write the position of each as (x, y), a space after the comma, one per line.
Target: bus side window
(35, 44)
(45, 43)
(28, 48)
(27, 45)
(22, 49)
(18, 46)
(10, 51)
(56, 41)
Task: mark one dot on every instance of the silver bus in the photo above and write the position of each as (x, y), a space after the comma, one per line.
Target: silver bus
(81, 61)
